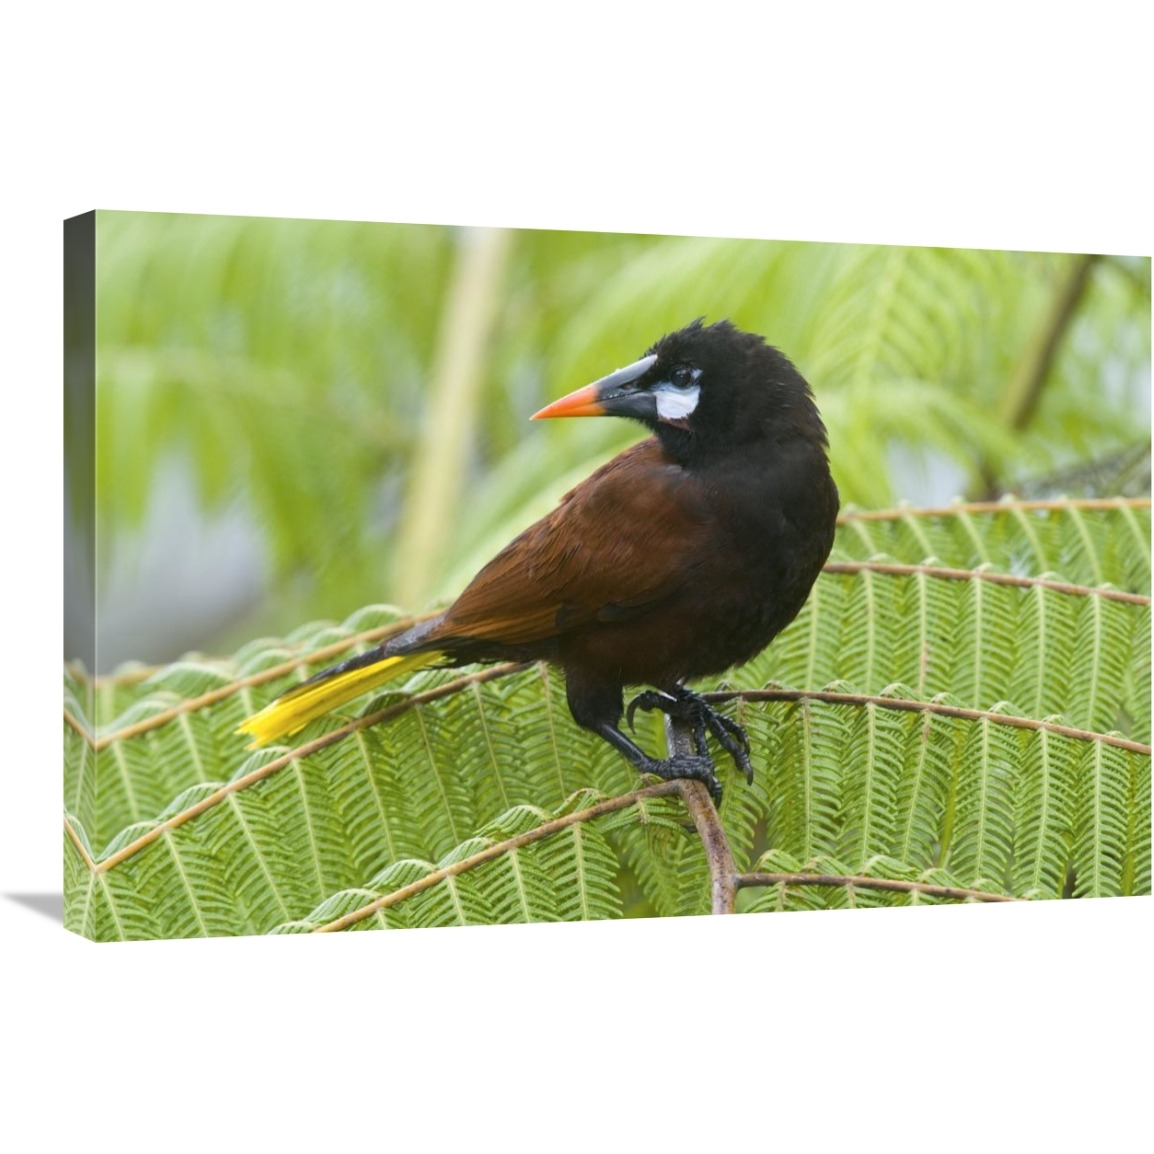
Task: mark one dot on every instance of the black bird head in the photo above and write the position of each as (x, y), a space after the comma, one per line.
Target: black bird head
(704, 390)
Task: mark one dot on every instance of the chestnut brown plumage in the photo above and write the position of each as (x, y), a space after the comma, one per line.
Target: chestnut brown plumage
(684, 556)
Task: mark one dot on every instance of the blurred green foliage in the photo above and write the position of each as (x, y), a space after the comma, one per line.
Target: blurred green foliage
(294, 365)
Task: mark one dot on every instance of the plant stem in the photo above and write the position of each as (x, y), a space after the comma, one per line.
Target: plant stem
(866, 883)
(1025, 387)
(943, 573)
(695, 796)
(940, 708)
(441, 456)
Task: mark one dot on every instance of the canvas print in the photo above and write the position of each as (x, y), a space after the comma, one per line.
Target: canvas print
(430, 576)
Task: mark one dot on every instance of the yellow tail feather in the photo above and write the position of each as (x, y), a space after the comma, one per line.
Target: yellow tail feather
(295, 709)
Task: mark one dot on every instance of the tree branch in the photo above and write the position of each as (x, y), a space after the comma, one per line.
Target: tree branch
(759, 878)
(80, 727)
(908, 705)
(722, 871)
(1057, 505)
(947, 574)
(74, 837)
(1024, 389)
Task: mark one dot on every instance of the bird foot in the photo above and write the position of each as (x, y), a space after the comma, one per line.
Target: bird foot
(700, 716)
(687, 767)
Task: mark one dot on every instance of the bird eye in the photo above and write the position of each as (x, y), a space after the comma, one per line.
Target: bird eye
(681, 377)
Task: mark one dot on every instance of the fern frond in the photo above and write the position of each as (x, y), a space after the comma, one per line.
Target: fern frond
(1102, 792)
(586, 869)
(1045, 644)
(1043, 815)
(1103, 640)
(908, 767)
(1135, 710)
(868, 813)
(1136, 870)
(981, 842)
(984, 662)
(570, 875)
(81, 769)
(807, 817)
(923, 789)
(1012, 536)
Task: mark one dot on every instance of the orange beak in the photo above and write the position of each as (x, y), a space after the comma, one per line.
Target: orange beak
(617, 395)
(583, 402)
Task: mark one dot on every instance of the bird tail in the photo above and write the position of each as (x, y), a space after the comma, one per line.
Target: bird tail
(321, 694)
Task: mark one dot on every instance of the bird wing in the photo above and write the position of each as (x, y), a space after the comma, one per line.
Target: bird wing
(614, 546)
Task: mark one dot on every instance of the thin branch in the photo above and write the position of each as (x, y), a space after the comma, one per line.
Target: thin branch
(1057, 505)
(74, 837)
(694, 795)
(947, 574)
(139, 673)
(1024, 389)
(910, 706)
(270, 674)
(79, 726)
(759, 878)
(219, 795)
(609, 805)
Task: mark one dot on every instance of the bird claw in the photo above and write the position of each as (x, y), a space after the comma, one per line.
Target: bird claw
(646, 701)
(689, 707)
(734, 740)
(688, 767)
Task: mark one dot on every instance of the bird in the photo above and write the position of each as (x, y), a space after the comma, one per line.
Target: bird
(682, 557)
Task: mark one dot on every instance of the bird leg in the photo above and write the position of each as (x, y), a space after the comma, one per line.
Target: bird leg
(685, 705)
(679, 766)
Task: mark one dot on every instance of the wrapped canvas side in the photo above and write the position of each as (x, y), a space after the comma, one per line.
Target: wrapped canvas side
(80, 760)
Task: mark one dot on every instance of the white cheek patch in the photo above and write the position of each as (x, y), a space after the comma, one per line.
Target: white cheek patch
(673, 404)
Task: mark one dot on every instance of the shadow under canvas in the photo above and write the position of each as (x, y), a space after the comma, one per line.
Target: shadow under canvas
(50, 905)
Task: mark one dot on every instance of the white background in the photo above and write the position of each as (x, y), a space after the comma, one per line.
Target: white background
(1008, 126)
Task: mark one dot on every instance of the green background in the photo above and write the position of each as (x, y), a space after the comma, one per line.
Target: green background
(296, 418)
